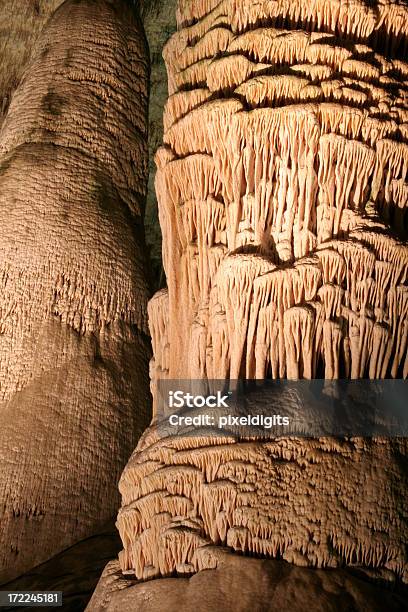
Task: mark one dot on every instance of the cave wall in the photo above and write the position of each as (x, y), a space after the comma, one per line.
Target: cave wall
(159, 21)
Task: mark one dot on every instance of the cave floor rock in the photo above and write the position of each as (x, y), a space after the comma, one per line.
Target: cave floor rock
(242, 584)
(74, 571)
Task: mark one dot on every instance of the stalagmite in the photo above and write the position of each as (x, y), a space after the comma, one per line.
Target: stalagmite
(281, 181)
(74, 350)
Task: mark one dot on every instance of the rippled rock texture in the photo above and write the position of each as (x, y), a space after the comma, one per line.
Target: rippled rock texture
(282, 201)
(74, 347)
(241, 584)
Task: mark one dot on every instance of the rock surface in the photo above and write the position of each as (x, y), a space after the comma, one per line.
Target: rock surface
(74, 345)
(283, 170)
(74, 571)
(281, 186)
(159, 21)
(283, 154)
(23, 21)
(241, 584)
(317, 503)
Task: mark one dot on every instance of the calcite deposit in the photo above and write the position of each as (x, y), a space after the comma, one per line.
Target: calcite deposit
(74, 350)
(284, 156)
(282, 188)
(241, 584)
(21, 24)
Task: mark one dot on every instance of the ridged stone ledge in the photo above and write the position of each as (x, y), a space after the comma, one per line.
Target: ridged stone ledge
(241, 584)
(320, 503)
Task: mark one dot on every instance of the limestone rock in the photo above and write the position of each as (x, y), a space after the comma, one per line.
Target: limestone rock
(74, 349)
(282, 202)
(159, 21)
(22, 22)
(241, 584)
(74, 571)
(318, 503)
(286, 142)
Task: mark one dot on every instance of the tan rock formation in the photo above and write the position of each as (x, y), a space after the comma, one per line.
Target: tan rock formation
(283, 177)
(241, 584)
(321, 503)
(284, 162)
(22, 22)
(73, 333)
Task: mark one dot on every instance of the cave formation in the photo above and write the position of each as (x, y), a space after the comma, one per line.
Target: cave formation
(281, 185)
(282, 193)
(74, 347)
